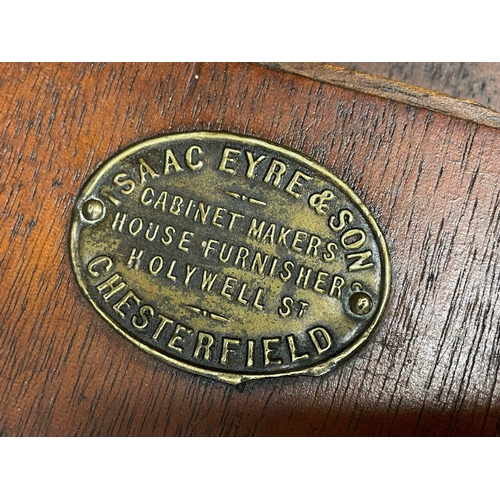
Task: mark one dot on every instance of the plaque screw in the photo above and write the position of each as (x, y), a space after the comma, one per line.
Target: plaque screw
(360, 303)
(93, 210)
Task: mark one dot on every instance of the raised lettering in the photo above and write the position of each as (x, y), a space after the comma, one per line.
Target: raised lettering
(135, 258)
(169, 232)
(147, 196)
(228, 156)
(284, 232)
(294, 355)
(208, 246)
(118, 221)
(285, 309)
(218, 217)
(176, 206)
(254, 231)
(288, 267)
(135, 226)
(125, 182)
(185, 240)
(361, 261)
(208, 280)
(115, 285)
(124, 301)
(189, 207)
(161, 202)
(171, 161)
(189, 158)
(303, 276)
(250, 351)
(320, 280)
(303, 308)
(189, 273)
(336, 288)
(296, 183)
(257, 302)
(252, 163)
(169, 275)
(344, 217)
(329, 256)
(258, 263)
(151, 236)
(225, 258)
(276, 171)
(163, 322)
(269, 350)
(249, 248)
(202, 212)
(228, 287)
(234, 217)
(312, 247)
(242, 255)
(320, 338)
(176, 340)
(102, 261)
(270, 234)
(141, 320)
(156, 265)
(228, 345)
(106, 192)
(146, 169)
(204, 343)
(241, 295)
(298, 238)
(353, 239)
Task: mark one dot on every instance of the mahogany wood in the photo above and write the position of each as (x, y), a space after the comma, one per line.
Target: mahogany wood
(431, 180)
(402, 91)
(479, 81)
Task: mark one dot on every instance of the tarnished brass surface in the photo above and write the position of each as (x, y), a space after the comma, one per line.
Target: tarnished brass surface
(230, 256)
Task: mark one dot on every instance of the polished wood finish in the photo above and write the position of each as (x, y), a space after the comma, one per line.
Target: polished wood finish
(430, 179)
(401, 91)
(477, 81)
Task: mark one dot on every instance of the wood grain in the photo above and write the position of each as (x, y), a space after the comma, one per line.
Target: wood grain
(477, 81)
(403, 92)
(430, 179)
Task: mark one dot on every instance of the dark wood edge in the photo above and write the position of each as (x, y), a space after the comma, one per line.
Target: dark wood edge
(394, 90)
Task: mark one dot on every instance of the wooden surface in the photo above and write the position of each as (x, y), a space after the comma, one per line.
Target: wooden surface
(404, 91)
(430, 179)
(477, 81)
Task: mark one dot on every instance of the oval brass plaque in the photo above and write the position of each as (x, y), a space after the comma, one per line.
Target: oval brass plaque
(230, 256)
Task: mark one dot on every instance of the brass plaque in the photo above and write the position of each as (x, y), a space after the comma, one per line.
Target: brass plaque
(230, 256)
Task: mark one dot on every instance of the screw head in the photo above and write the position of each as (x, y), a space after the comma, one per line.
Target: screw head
(93, 210)
(360, 303)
